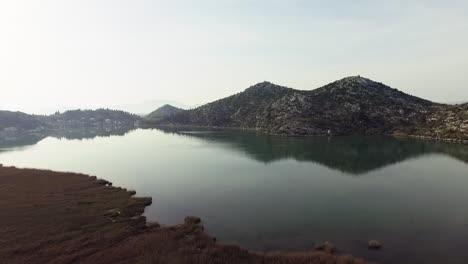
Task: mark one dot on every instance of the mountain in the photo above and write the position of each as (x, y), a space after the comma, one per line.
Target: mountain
(350, 106)
(163, 112)
(230, 110)
(146, 107)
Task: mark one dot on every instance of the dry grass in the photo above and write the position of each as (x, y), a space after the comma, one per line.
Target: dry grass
(51, 217)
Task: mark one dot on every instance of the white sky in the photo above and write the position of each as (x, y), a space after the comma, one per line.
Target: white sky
(90, 53)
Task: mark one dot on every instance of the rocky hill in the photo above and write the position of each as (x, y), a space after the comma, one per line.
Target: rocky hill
(350, 106)
(442, 122)
(163, 112)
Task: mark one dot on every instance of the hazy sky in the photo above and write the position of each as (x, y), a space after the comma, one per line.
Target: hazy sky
(88, 53)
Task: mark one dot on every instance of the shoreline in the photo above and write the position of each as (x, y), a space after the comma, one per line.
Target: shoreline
(63, 217)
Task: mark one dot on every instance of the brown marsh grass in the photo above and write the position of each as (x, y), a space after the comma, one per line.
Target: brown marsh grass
(54, 217)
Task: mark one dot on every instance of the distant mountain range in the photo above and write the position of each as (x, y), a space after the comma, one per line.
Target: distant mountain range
(350, 106)
(140, 108)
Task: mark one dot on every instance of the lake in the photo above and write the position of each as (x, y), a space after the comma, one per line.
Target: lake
(284, 193)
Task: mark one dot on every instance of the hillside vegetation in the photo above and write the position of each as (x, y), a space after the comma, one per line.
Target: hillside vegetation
(12, 121)
(15, 125)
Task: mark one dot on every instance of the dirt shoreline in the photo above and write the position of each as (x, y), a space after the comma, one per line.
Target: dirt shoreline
(58, 217)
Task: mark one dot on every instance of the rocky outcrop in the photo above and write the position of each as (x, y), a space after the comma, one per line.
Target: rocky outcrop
(443, 122)
(374, 244)
(326, 246)
(350, 106)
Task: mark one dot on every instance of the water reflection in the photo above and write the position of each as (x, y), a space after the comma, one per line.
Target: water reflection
(90, 134)
(272, 193)
(353, 155)
(23, 141)
(19, 142)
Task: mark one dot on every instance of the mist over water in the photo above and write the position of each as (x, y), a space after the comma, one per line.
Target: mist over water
(283, 193)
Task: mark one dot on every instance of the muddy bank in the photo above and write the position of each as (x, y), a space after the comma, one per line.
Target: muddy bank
(53, 217)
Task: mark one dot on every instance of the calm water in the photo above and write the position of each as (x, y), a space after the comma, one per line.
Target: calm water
(276, 193)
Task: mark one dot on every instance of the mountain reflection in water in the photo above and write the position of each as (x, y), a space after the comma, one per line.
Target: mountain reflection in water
(352, 154)
(22, 141)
